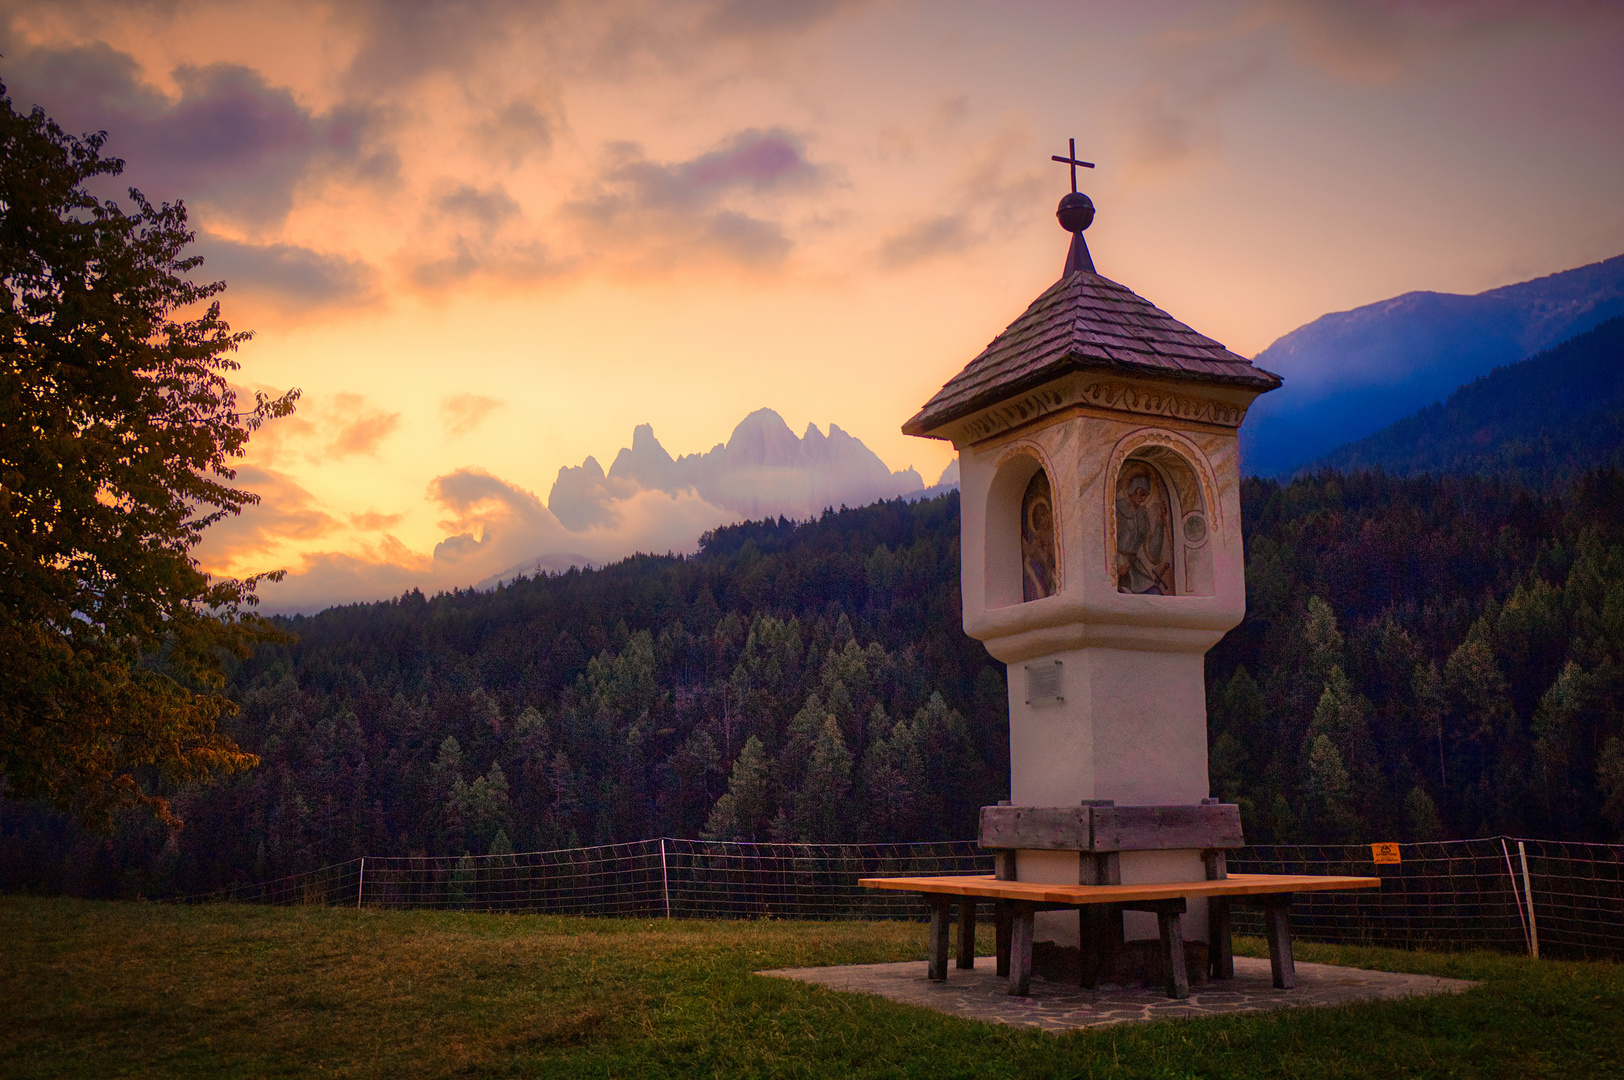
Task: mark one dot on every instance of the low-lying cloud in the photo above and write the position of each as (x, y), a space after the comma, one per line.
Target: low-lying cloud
(286, 512)
(763, 470)
(496, 531)
(647, 501)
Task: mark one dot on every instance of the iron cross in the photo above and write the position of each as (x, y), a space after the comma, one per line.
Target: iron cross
(1073, 162)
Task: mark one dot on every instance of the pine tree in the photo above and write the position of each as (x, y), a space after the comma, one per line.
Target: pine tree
(747, 810)
(820, 812)
(1423, 814)
(1330, 791)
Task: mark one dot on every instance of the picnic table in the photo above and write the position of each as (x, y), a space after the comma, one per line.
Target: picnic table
(1015, 902)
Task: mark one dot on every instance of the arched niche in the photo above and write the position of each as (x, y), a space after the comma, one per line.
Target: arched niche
(1160, 518)
(1023, 532)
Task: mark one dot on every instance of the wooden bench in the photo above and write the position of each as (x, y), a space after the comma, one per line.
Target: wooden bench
(1015, 902)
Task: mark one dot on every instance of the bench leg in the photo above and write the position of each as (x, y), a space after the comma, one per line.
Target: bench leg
(1220, 947)
(938, 937)
(1001, 923)
(967, 934)
(1171, 924)
(1020, 951)
(1277, 921)
(1094, 934)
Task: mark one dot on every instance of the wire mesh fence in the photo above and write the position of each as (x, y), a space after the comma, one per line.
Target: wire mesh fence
(807, 881)
(1500, 893)
(1561, 899)
(690, 879)
(1578, 892)
(1449, 895)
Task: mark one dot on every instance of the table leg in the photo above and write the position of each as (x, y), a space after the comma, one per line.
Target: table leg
(938, 937)
(967, 934)
(1277, 922)
(1020, 951)
(1220, 946)
(1001, 923)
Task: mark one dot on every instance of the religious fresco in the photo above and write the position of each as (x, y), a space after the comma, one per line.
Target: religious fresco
(1039, 570)
(1195, 529)
(1144, 532)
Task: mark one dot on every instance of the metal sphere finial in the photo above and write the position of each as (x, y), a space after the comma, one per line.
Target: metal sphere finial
(1076, 212)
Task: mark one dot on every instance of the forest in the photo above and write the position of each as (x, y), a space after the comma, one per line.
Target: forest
(1542, 421)
(1423, 657)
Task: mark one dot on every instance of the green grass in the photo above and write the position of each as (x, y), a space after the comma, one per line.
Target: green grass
(140, 990)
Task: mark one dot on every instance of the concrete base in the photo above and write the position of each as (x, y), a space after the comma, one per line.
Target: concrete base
(980, 994)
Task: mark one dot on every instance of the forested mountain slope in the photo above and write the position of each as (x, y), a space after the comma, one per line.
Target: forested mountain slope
(1423, 657)
(1543, 421)
(1349, 374)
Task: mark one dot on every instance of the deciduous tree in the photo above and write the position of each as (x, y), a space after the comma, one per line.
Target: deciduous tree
(117, 427)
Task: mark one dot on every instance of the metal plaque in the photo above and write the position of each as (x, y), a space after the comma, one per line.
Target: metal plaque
(1043, 683)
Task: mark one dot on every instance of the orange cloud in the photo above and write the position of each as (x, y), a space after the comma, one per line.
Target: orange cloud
(243, 544)
(712, 207)
(372, 521)
(462, 413)
(361, 431)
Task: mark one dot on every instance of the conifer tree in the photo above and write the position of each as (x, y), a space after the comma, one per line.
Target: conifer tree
(747, 810)
(820, 812)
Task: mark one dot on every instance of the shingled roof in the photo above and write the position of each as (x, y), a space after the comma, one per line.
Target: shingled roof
(1085, 321)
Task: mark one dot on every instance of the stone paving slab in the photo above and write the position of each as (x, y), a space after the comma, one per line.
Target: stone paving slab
(980, 994)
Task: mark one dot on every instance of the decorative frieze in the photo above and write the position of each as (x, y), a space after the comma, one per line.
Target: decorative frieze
(1125, 398)
(1015, 412)
(1108, 395)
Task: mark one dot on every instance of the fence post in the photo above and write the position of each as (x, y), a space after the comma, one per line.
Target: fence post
(1528, 897)
(1522, 919)
(360, 882)
(665, 879)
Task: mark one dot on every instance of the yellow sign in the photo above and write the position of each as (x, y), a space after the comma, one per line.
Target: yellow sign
(1385, 854)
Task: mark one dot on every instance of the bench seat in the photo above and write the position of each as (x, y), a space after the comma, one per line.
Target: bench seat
(1016, 901)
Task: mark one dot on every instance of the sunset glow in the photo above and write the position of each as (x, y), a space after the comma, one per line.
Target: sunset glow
(489, 239)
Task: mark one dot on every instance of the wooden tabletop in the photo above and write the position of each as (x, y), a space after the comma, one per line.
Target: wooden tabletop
(985, 885)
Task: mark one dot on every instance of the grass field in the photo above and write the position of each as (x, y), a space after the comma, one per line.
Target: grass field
(141, 990)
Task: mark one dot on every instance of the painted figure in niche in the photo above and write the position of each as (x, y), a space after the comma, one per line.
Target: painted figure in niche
(1038, 573)
(1144, 524)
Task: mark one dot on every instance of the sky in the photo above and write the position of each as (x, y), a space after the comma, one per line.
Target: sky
(489, 239)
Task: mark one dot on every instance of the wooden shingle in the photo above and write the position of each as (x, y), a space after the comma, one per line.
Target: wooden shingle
(1085, 321)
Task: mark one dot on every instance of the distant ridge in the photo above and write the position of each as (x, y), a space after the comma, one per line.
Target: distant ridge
(763, 470)
(1543, 421)
(1351, 373)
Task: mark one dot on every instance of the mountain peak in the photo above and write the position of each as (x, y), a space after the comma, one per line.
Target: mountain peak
(762, 470)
